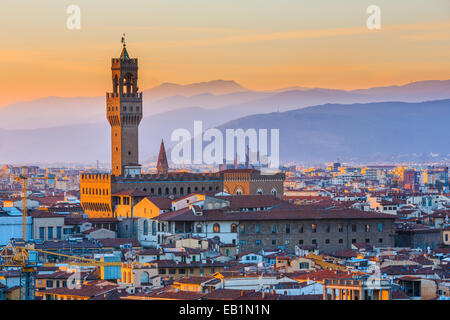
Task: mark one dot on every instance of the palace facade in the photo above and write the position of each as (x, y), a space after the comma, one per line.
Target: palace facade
(102, 194)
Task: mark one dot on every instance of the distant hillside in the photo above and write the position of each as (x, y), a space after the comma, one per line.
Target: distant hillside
(228, 96)
(373, 131)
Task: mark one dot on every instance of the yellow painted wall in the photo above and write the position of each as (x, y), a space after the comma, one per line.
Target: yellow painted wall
(145, 209)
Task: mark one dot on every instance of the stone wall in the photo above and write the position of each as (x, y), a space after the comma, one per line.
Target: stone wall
(327, 241)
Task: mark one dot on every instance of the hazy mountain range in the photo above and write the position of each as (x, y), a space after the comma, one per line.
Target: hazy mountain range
(232, 97)
(383, 131)
(76, 130)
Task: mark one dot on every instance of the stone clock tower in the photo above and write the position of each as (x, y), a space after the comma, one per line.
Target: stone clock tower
(124, 113)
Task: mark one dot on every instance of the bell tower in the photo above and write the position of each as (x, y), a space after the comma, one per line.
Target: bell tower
(124, 112)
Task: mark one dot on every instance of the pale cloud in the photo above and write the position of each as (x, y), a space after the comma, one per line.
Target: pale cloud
(246, 36)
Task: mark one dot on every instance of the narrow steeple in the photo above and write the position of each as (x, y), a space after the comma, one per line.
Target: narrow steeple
(162, 167)
(124, 55)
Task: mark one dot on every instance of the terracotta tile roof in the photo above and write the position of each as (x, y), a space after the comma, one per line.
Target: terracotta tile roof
(349, 253)
(117, 242)
(45, 214)
(364, 246)
(252, 201)
(321, 275)
(398, 295)
(64, 244)
(132, 193)
(48, 200)
(409, 278)
(395, 270)
(115, 294)
(406, 227)
(165, 295)
(163, 203)
(240, 171)
(304, 297)
(84, 275)
(299, 213)
(88, 290)
(226, 294)
(150, 252)
(259, 296)
(194, 280)
(422, 260)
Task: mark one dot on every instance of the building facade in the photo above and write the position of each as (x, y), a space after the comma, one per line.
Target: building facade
(124, 113)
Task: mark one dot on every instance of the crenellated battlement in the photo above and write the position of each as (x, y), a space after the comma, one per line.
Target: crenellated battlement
(171, 176)
(116, 62)
(112, 95)
(95, 178)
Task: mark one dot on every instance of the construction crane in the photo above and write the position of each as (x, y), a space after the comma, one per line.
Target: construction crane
(19, 254)
(23, 180)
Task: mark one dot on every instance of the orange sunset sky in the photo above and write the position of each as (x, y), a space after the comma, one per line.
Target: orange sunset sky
(259, 44)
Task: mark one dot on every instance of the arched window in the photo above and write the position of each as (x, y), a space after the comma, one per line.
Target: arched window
(167, 191)
(380, 227)
(145, 227)
(198, 228)
(273, 192)
(174, 191)
(159, 191)
(238, 192)
(153, 227)
(216, 228)
(233, 228)
(260, 191)
(189, 190)
(367, 227)
(145, 278)
(181, 191)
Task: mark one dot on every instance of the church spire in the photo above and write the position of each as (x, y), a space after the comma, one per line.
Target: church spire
(162, 167)
(124, 55)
